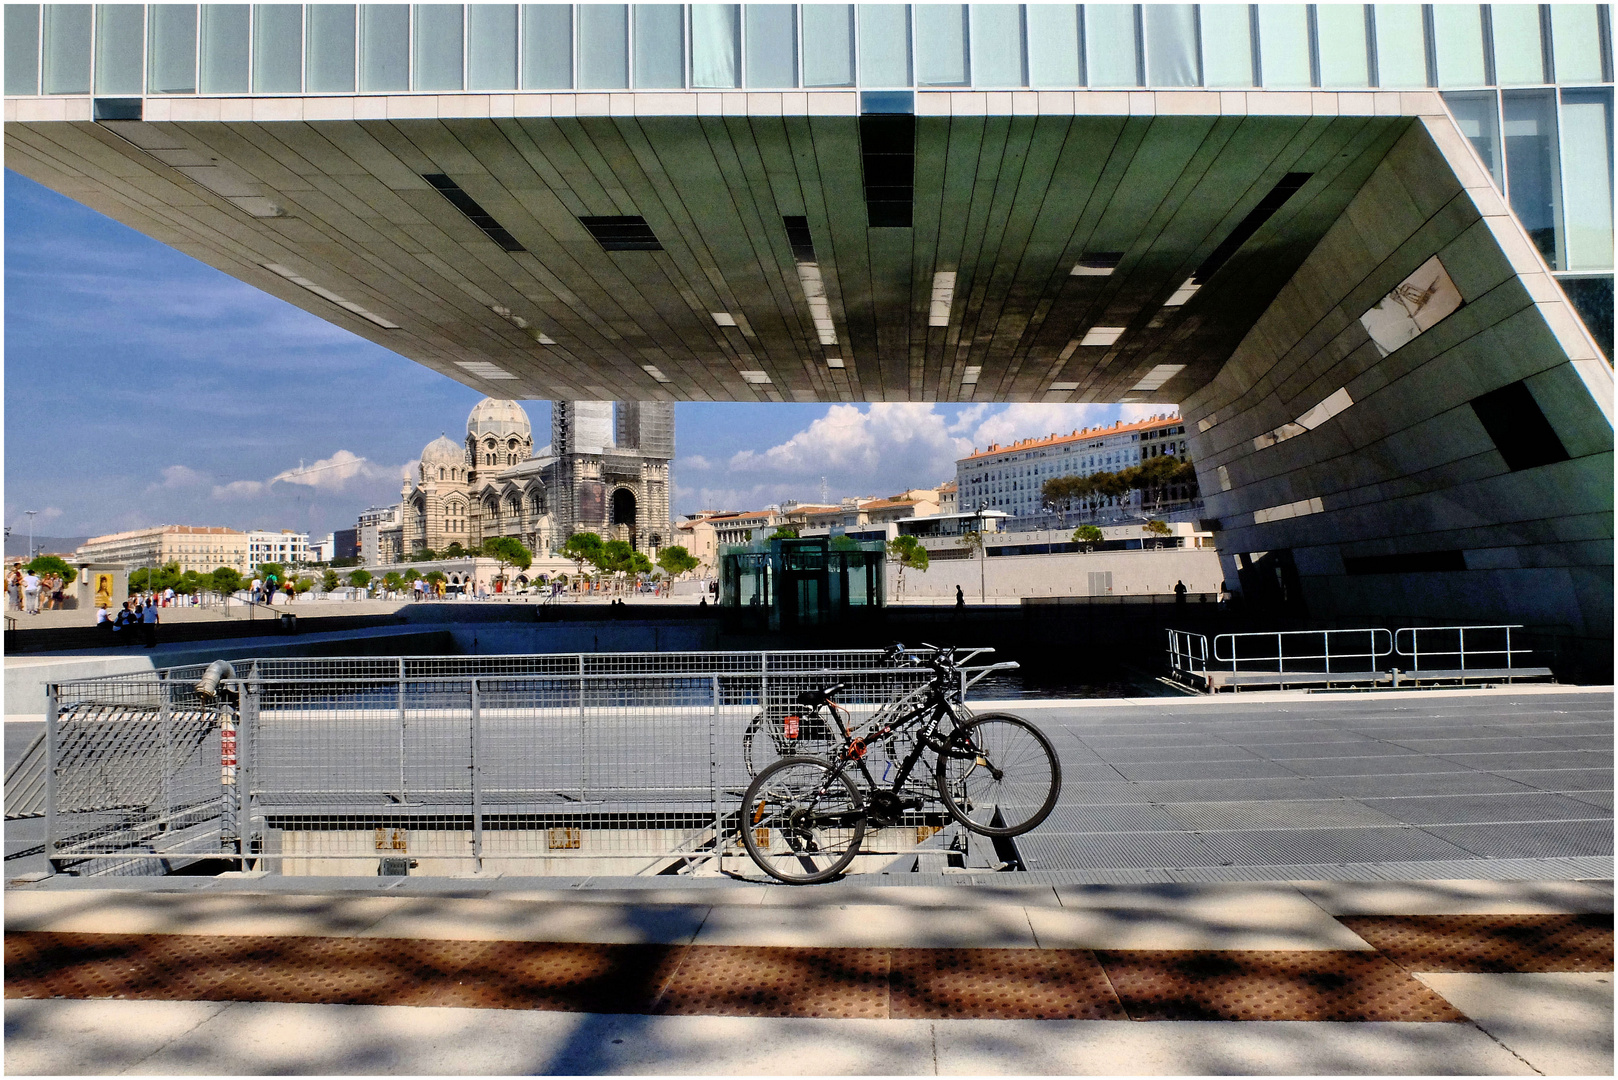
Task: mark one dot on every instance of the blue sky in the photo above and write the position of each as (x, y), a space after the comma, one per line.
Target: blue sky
(145, 387)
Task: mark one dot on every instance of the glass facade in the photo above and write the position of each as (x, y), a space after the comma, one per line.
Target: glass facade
(1530, 85)
(130, 49)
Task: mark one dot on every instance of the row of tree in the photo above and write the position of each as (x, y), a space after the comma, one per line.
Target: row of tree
(1151, 478)
(617, 556)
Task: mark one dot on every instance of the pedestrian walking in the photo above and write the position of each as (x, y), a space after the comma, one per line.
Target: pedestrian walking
(30, 592)
(14, 588)
(960, 599)
(149, 624)
(255, 590)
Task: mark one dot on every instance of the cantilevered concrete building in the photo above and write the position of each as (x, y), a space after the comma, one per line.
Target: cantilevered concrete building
(1367, 248)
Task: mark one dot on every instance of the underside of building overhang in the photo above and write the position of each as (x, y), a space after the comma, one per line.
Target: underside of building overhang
(1049, 254)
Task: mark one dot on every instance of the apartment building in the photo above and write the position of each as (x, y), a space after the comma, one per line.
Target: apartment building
(203, 548)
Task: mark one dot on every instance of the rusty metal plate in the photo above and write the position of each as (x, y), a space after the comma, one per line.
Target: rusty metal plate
(348, 971)
(1268, 985)
(566, 977)
(736, 980)
(999, 984)
(1489, 943)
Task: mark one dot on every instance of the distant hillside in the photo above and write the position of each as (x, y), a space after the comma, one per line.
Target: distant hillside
(17, 544)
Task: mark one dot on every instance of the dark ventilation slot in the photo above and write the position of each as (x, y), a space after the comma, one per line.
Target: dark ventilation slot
(116, 108)
(627, 233)
(474, 213)
(1101, 260)
(1267, 206)
(1520, 431)
(803, 246)
(888, 153)
(1421, 562)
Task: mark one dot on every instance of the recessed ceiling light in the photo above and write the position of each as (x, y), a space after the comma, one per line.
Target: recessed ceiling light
(1183, 293)
(1097, 263)
(971, 375)
(943, 298)
(484, 370)
(756, 376)
(327, 294)
(834, 361)
(1159, 375)
(1064, 386)
(654, 372)
(545, 339)
(724, 318)
(1102, 335)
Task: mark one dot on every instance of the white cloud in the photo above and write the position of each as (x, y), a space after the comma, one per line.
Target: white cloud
(696, 461)
(238, 489)
(178, 476)
(873, 443)
(333, 473)
(878, 449)
(50, 513)
(965, 418)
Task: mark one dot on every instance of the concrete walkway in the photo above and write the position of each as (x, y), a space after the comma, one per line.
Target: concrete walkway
(1520, 1022)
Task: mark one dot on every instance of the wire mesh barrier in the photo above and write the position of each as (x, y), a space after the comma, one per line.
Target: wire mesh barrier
(1358, 657)
(612, 764)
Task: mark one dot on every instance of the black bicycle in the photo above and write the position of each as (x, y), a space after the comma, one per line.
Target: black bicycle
(804, 817)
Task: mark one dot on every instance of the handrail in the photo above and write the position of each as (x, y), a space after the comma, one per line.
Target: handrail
(1416, 651)
(1281, 656)
(1188, 652)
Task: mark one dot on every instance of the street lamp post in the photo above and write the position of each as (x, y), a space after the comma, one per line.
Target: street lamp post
(30, 514)
(983, 554)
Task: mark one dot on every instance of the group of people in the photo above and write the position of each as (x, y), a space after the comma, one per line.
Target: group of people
(137, 612)
(32, 593)
(263, 590)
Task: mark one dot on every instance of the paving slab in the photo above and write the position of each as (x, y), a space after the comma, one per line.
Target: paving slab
(1182, 917)
(112, 911)
(1561, 1023)
(1458, 897)
(193, 1038)
(508, 919)
(870, 926)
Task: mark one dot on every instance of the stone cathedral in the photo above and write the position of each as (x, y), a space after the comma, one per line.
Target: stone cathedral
(605, 471)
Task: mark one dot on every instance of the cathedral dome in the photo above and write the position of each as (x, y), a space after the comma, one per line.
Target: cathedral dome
(494, 416)
(442, 451)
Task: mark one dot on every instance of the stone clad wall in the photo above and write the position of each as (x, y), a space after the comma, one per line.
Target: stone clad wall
(1408, 469)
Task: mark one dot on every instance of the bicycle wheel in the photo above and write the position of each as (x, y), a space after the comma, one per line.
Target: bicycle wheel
(802, 821)
(759, 746)
(998, 775)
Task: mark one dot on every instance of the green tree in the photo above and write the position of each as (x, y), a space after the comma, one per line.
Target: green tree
(972, 540)
(844, 543)
(1157, 530)
(1086, 536)
(455, 550)
(906, 551)
(225, 581)
(423, 554)
(411, 576)
(328, 580)
(434, 577)
(676, 560)
(616, 555)
(640, 564)
(509, 551)
(785, 532)
(583, 547)
(52, 564)
(303, 585)
(392, 582)
(272, 569)
(360, 578)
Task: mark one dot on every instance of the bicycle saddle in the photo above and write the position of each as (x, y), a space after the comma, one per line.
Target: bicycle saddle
(813, 698)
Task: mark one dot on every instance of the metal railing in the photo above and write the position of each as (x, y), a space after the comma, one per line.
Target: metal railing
(1436, 651)
(1348, 657)
(551, 764)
